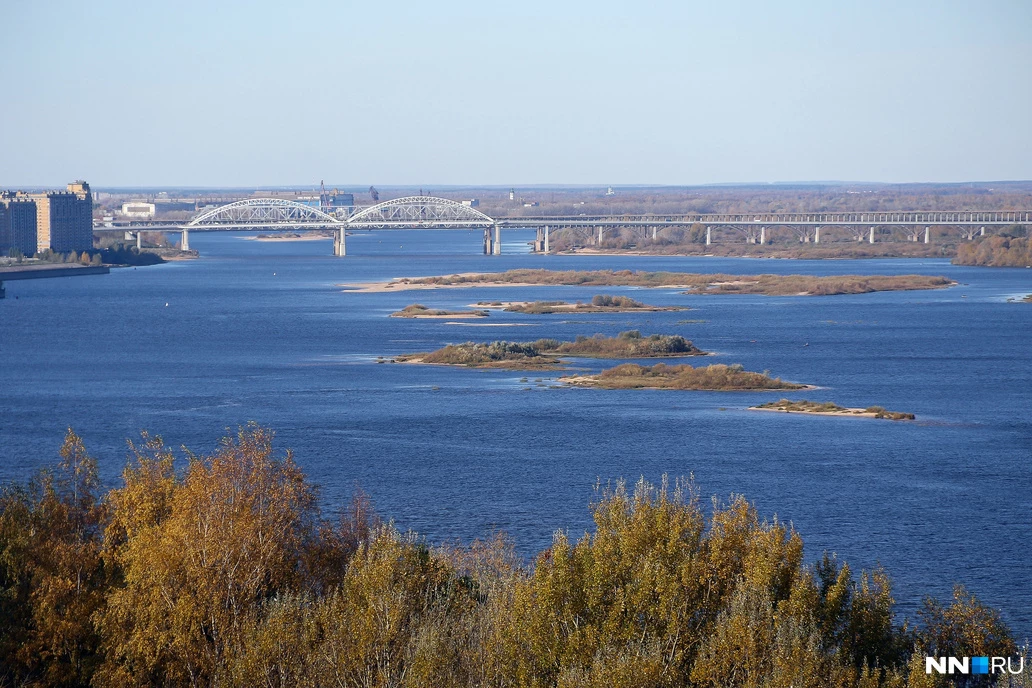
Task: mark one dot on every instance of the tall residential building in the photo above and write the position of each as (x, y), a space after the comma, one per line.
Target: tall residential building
(64, 219)
(17, 224)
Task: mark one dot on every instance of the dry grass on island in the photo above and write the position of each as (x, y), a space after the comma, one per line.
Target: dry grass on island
(418, 310)
(600, 303)
(544, 353)
(716, 378)
(693, 283)
(506, 355)
(828, 408)
(630, 344)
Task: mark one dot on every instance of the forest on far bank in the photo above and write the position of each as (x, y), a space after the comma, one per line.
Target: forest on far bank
(221, 570)
(997, 251)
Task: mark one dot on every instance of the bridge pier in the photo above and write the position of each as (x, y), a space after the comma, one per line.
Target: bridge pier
(817, 235)
(340, 248)
(184, 242)
(708, 236)
(546, 238)
(927, 233)
(139, 240)
(763, 235)
(871, 236)
(598, 241)
(493, 244)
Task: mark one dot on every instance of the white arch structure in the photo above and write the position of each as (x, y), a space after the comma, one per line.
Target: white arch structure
(406, 212)
(263, 213)
(419, 211)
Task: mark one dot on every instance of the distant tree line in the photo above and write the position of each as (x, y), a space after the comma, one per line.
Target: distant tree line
(223, 571)
(764, 199)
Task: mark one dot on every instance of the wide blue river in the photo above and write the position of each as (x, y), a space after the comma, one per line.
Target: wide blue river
(262, 331)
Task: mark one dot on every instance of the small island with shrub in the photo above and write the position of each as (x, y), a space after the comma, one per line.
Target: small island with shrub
(600, 303)
(544, 353)
(827, 408)
(716, 378)
(418, 310)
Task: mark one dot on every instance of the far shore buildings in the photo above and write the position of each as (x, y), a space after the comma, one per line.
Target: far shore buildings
(61, 221)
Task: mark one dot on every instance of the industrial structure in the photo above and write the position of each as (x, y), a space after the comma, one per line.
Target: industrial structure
(138, 209)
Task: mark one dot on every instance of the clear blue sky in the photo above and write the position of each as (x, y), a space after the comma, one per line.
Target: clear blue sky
(274, 93)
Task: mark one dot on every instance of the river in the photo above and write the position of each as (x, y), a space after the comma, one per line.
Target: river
(260, 331)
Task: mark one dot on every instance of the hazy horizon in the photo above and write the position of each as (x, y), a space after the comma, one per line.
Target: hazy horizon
(247, 94)
(426, 188)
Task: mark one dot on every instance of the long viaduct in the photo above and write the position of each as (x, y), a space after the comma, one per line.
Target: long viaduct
(427, 212)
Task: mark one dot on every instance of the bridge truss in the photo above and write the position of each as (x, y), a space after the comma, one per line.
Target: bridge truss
(439, 213)
(263, 213)
(419, 211)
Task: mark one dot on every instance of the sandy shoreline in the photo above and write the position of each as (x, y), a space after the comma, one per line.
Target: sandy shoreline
(397, 285)
(443, 316)
(567, 308)
(491, 324)
(303, 237)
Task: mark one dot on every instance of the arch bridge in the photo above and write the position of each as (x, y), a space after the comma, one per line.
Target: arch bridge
(429, 212)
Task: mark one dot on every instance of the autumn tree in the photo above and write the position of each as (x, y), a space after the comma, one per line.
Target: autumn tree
(199, 554)
(52, 578)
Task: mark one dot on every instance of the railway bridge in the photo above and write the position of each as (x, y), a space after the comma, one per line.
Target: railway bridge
(428, 212)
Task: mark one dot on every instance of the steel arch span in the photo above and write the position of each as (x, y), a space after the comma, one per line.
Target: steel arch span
(419, 211)
(263, 213)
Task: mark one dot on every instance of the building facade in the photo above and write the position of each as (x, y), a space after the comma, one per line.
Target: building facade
(138, 209)
(17, 224)
(64, 219)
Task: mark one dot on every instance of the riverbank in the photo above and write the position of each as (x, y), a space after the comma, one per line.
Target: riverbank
(45, 271)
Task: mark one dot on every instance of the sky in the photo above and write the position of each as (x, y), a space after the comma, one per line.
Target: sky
(264, 93)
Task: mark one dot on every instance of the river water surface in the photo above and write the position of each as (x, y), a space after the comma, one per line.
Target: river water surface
(260, 331)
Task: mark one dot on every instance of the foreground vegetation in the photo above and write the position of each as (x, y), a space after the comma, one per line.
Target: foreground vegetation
(828, 408)
(997, 251)
(543, 353)
(418, 310)
(222, 571)
(772, 285)
(717, 377)
(600, 303)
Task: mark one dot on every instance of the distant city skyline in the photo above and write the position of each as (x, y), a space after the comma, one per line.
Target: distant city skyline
(462, 94)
